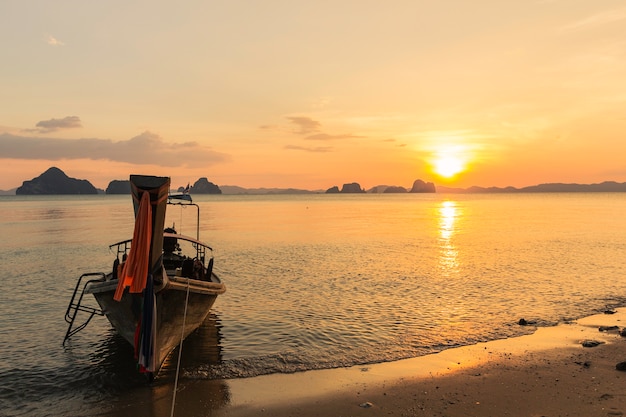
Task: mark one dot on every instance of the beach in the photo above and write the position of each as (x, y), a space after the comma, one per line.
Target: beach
(548, 373)
(545, 374)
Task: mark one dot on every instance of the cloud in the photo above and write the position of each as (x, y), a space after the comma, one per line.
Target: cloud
(598, 19)
(144, 149)
(69, 122)
(391, 140)
(51, 40)
(306, 125)
(311, 129)
(316, 149)
(325, 136)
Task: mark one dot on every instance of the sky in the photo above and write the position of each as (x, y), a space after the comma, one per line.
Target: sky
(313, 94)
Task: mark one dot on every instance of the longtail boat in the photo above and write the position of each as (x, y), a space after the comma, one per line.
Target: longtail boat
(162, 284)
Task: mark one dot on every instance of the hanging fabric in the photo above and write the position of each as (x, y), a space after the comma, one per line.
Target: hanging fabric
(147, 326)
(135, 271)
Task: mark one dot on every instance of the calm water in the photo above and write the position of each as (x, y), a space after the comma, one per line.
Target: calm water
(314, 281)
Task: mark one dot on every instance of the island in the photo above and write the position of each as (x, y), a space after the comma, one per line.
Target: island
(54, 181)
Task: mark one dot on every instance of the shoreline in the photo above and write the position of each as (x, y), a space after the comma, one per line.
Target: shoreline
(548, 373)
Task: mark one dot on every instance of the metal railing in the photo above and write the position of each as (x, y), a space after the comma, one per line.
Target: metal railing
(75, 305)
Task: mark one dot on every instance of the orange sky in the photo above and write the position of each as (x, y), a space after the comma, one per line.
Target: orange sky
(314, 94)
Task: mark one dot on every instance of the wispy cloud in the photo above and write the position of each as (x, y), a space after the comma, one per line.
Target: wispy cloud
(311, 129)
(51, 40)
(305, 125)
(598, 19)
(308, 149)
(52, 125)
(394, 141)
(326, 136)
(144, 149)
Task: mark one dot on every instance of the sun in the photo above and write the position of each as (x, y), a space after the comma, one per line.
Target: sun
(448, 165)
(447, 161)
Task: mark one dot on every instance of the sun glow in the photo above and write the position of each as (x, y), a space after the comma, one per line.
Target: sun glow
(448, 166)
(449, 161)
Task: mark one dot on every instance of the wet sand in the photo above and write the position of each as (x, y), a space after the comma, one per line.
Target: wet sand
(548, 373)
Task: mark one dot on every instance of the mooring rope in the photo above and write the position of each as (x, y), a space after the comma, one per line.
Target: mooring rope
(180, 351)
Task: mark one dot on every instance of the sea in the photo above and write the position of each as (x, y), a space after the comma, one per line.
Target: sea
(314, 281)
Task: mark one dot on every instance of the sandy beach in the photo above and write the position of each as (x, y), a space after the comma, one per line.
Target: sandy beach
(549, 373)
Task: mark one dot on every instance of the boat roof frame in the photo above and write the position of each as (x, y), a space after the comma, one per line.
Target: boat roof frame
(171, 235)
(185, 200)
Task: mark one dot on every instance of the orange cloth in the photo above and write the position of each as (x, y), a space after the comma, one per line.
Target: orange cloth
(136, 268)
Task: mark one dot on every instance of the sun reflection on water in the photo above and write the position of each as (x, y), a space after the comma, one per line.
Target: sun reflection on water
(448, 259)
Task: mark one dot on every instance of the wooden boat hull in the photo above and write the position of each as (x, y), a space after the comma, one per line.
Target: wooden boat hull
(124, 315)
(161, 287)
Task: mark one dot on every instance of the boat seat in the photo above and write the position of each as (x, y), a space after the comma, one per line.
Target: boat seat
(171, 261)
(209, 270)
(116, 266)
(187, 269)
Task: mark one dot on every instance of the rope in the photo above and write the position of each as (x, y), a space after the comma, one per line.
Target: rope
(180, 351)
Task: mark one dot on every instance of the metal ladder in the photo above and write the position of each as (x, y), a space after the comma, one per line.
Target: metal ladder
(75, 305)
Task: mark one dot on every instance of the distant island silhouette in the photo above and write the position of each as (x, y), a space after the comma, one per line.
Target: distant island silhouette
(603, 187)
(54, 181)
